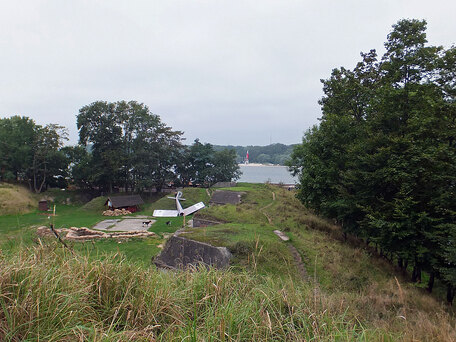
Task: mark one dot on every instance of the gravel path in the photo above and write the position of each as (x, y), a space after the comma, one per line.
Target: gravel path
(125, 225)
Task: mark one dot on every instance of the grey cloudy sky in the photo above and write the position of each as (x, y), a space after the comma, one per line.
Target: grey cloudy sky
(225, 71)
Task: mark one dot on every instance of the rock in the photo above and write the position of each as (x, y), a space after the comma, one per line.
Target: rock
(281, 235)
(181, 253)
(44, 231)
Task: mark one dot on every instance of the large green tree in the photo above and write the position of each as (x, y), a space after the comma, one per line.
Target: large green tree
(382, 161)
(31, 152)
(201, 164)
(130, 146)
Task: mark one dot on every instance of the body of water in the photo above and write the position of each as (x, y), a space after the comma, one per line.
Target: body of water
(263, 173)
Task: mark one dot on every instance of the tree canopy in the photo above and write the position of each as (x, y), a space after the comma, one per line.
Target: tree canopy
(382, 161)
(122, 145)
(201, 164)
(130, 146)
(31, 152)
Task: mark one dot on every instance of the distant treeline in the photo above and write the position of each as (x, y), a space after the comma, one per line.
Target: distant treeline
(270, 154)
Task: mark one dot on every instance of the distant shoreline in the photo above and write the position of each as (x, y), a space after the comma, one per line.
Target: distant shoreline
(264, 165)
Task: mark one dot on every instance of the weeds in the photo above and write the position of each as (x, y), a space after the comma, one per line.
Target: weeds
(51, 295)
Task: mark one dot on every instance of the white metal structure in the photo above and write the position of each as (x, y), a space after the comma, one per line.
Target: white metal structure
(180, 211)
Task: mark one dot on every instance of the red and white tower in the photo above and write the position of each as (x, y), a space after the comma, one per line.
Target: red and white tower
(246, 161)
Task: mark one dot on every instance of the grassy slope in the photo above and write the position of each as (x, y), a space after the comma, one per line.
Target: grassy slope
(15, 199)
(353, 295)
(346, 276)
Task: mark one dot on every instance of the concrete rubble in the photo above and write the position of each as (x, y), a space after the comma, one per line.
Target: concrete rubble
(86, 234)
(116, 212)
(281, 235)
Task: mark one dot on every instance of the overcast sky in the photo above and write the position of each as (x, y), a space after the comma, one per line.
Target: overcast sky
(227, 72)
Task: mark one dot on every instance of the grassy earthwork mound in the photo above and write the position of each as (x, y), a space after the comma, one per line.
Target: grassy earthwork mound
(15, 199)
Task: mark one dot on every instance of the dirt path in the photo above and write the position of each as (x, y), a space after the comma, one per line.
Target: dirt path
(267, 206)
(294, 252)
(298, 260)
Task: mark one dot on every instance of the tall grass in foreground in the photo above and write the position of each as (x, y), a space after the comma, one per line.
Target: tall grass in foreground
(51, 295)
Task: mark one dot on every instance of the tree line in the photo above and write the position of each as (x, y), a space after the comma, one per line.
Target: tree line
(382, 161)
(121, 145)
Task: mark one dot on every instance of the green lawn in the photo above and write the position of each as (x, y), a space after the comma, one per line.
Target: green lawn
(138, 251)
(17, 231)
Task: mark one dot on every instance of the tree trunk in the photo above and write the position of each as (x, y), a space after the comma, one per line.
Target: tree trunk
(44, 179)
(416, 274)
(400, 263)
(431, 282)
(450, 294)
(42, 183)
(34, 174)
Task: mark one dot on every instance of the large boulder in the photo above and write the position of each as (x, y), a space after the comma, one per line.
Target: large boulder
(180, 253)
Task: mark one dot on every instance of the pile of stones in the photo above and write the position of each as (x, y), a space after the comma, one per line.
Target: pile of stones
(116, 212)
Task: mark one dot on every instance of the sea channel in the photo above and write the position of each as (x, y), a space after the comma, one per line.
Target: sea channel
(257, 173)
